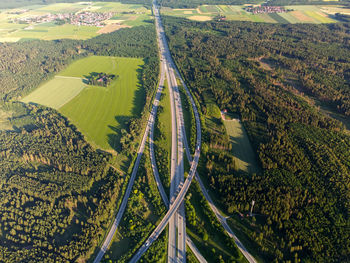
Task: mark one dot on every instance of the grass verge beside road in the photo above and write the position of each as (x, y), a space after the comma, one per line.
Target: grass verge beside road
(206, 231)
(162, 138)
(144, 211)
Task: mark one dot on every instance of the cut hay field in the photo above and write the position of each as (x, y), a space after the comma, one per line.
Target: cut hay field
(242, 150)
(127, 16)
(98, 112)
(56, 92)
(314, 14)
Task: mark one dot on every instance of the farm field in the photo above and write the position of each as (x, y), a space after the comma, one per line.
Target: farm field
(242, 150)
(299, 14)
(124, 15)
(99, 112)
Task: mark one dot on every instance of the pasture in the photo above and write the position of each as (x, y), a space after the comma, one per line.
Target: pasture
(242, 150)
(314, 14)
(125, 15)
(98, 112)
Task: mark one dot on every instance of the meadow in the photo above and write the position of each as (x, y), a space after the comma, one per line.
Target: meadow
(299, 14)
(126, 15)
(99, 112)
(241, 148)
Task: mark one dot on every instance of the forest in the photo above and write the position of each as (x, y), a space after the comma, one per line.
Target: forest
(57, 193)
(276, 78)
(56, 197)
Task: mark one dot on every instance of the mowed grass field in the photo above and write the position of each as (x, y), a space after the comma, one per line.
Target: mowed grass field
(99, 112)
(126, 15)
(242, 150)
(314, 14)
(56, 92)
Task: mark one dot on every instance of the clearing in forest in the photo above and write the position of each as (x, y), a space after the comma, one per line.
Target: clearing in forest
(99, 112)
(242, 150)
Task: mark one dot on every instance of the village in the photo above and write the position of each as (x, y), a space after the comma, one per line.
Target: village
(266, 9)
(80, 19)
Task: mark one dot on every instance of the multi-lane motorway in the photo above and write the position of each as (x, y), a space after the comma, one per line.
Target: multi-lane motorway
(182, 190)
(175, 216)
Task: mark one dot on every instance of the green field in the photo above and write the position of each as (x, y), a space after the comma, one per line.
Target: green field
(99, 113)
(242, 150)
(56, 92)
(128, 15)
(299, 14)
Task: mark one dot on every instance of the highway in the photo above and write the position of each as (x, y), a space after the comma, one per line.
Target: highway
(221, 219)
(141, 148)
(177, 222)
(189, 242)
(183, 188)
(180, 187)
(180, 215)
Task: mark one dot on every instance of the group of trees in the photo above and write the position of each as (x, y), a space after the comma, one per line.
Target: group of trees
(303, 189)
(100, 79)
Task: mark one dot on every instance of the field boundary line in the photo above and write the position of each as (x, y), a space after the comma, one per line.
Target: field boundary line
(66, 77)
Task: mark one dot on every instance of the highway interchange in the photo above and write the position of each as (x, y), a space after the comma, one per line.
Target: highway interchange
(175, 217)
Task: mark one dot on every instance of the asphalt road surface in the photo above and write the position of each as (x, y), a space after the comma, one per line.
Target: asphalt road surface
(183, 188)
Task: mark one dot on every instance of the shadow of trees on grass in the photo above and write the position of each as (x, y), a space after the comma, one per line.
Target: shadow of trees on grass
(121, 138)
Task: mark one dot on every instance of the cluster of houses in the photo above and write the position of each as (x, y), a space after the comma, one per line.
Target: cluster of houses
(266, 9)
(80, 19)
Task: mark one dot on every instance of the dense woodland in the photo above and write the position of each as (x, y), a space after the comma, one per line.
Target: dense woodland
(57, 193)
(271, 76)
